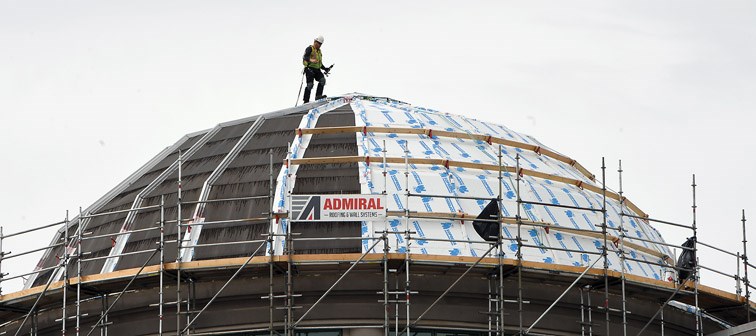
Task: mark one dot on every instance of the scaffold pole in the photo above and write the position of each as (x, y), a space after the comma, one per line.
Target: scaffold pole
(289, 250)
(605, 248)
(271, 252)
(697, 268)
(745, 269)
(2, 256)
(178, 245)
(500, 252)
(386, 322)
(79, 233)
(407, 288)
(519, 247)
(622, 251)
(66, 283)
(161, 299)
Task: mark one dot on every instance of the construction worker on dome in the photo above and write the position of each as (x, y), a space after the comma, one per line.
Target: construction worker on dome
(313, 62)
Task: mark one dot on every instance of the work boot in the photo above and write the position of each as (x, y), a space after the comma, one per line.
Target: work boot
(319, 92)
(320, 97)
(307, 95)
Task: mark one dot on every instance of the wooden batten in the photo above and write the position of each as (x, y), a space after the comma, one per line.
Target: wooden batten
(472, 165)
(449, 134)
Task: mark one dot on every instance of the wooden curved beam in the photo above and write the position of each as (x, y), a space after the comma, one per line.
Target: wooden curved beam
(461, 216)
(448, 134)
(471, 165)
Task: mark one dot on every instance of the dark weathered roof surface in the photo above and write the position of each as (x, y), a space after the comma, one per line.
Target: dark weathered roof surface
(247, 175)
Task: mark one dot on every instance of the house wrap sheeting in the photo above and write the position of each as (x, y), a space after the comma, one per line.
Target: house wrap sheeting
(474, 182)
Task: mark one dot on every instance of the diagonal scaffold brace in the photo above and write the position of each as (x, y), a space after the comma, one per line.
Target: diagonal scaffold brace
(677, 290)
(34, 306)
(188, 325)
(561, 296)
(123, 290)
(448, 289)
(337, 282)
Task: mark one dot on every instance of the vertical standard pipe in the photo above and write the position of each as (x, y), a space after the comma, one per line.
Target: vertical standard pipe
(104, 317)
(385, 171)
(582, 313)
(289, 253)
(738, 288)
(34, 324)
(396, 301)
(499, 322)
(501, 179)
(622, 250)
(407, 237)
(386, 322)
(178, 248)
(190, 307)
(270, 243)
(699, 328)
(606, 247)
(745, 269)
(490, 306)
(590, 313)
(66, 283)
(270, 285)
(80, 232)
(519, 246)
(2, 255)
(662, 320)
(500, 255)
(162, 264)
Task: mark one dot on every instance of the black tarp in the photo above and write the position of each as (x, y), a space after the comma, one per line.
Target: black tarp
(488, 230)
(687, 260)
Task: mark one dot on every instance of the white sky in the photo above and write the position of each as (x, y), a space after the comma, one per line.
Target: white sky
(91, 90)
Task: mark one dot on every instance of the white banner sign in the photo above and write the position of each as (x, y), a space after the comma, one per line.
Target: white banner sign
(337, 208)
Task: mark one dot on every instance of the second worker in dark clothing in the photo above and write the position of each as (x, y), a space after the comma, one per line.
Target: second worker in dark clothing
(313, 62)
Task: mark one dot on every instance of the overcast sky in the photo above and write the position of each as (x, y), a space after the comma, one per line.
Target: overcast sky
(91, 90)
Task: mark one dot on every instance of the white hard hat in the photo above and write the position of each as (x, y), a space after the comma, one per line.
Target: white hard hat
(320, 39)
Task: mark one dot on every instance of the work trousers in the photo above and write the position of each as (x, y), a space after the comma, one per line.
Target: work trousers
(313, 75)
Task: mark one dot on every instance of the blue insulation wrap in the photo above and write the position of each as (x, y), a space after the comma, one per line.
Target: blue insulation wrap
(438, 181)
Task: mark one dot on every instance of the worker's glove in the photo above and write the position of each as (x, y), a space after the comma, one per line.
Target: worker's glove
(327, 71)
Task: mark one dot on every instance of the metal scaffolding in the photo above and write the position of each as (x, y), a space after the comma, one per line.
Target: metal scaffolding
(401, 292)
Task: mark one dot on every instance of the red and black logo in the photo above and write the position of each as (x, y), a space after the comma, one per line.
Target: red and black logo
(311, 209)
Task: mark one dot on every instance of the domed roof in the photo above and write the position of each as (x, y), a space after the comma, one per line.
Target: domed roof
(438, 171)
